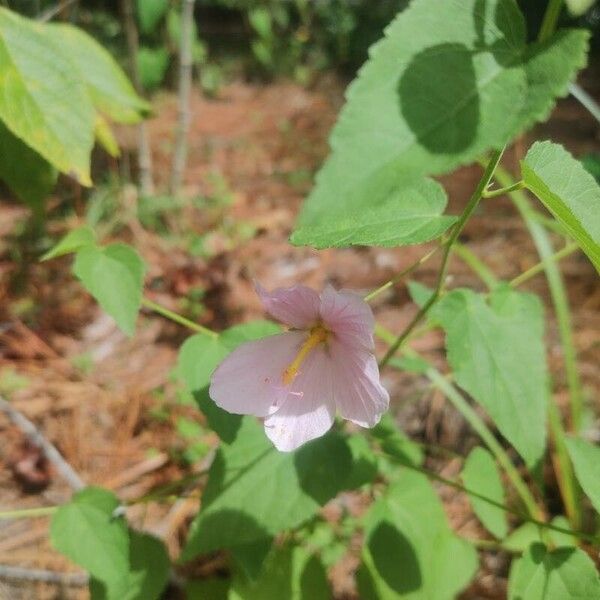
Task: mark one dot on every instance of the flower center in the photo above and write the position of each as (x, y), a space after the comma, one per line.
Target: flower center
(318, 335)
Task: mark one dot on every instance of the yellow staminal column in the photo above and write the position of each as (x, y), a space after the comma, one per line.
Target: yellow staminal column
(318, 335)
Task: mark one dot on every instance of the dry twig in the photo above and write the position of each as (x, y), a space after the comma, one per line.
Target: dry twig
(35, 436)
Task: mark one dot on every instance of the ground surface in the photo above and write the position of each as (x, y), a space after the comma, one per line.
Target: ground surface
(111, 405)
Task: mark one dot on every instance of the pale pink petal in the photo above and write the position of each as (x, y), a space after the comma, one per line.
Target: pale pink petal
(296, 306)
(308, 410)
(359, 395)
(249, 380)
(348, 316)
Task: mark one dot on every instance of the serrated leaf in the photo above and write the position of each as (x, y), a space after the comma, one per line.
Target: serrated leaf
(114, 275)
(43, 102)
(410, 550)
(89, 517)
(26, 173)
(410, 215)
(254, 491)
(561, 574)
(448, 82)
(72, 242)
(150, 12)
(290, 572)
(586, 460)
(568, 191)
(496, 350)
(480, 474)
(108, 86)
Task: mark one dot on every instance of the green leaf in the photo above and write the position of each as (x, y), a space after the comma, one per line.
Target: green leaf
(72, 242)
(42, 102)
(579, 7)
(251, 557)
(150, 12)
(26, 173)
(407, 216)
(496, 350)
(152, 64)
(561, 574)
(254, 491)
(110, 90)
(568, 191)
(586, 460)
(480, 474)
(114, 275)
(521, 538)
(291, 573)
(147, 576)
(85, 531)
(395, 443)
(207, 589)
(410, 550)
(448, 82)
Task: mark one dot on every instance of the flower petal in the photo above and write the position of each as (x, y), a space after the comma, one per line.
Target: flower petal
(249, 380)
(296, 306)
(359, 395)
(308, 411)
(348, 316)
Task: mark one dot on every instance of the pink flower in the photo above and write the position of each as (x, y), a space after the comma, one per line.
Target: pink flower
(297, 380)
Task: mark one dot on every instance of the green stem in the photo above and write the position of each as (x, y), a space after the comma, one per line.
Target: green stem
(563, 317)
(456, 485)
(456, 231)
(505, 190)
(550, 20)
(539, 267)
(401, 275)
(28, 513)
(488, 439)
(173, 316)
(478, 426)
(562, 466)
(559, 299)
(476, 264)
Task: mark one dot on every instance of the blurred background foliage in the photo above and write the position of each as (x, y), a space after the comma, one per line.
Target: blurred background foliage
(256, 38)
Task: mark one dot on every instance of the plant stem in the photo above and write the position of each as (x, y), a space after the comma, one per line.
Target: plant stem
(559, 298)
(185, 85)
(488, 438)
(476, 264)
(505, 190)
(144, 152)
(539, 267)
(585, 100)
(28, 513)
(456, 485)
(478, 425)
(550, 19)
(568, 485)
(177, 318)
(469, 209)
(401, 275)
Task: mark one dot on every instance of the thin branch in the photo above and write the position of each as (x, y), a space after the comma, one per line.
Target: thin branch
(185, 86)
(35, 436)
(44, 576)
(585, 100)
(51, 12)
(144, 153)
(469, 209)
(401, 275)
(176, 318)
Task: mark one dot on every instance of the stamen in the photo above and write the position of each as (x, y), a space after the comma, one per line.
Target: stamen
(318, 335)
